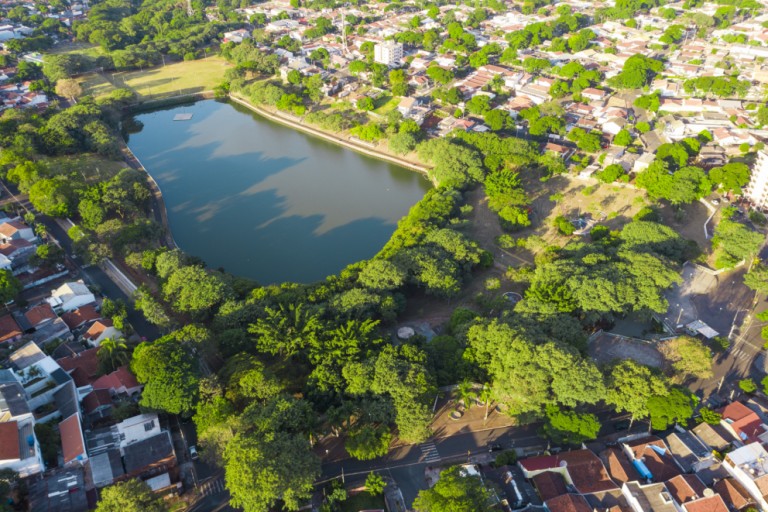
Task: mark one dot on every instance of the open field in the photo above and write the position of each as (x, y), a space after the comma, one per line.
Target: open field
(174, 79)
(92, 167)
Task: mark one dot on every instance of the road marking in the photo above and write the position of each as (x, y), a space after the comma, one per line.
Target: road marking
(429, 452)
(212, 487)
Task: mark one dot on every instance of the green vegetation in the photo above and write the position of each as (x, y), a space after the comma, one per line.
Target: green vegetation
(130, 496)
(454, 492)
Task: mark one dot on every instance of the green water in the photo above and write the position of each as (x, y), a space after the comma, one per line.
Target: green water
(267, 202)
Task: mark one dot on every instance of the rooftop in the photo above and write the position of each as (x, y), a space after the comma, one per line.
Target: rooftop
(72, 442)
(146, 452)
(9, 441)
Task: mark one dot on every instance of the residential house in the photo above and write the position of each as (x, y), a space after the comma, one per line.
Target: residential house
(16, 230)
(120, 381)
(72, 440)
(649, 497)
(70, 296)
(691, 454)
(80, 316)
(83, 367)
(733, 493)
(594, 94)
(651, 458)
(99, 331)
(748, 465)
(568, 503)
(236, 36)
(743, 423)
(62, 490)
(685, 488)
(10, 332)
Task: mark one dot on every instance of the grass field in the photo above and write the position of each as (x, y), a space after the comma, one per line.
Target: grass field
(386, 104)
(92, 167)
(163, 81)
(91, 50)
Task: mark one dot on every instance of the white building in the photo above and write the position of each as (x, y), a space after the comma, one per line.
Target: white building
(749, 465)
(70, 296)
(757, 189)
(388, 52)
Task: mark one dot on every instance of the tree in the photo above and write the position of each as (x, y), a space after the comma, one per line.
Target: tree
(757, 278)
(112, 353)
(731, 177)
(402, 143)
(569, 427)
(10, 287)
(170, 373)
(674, 407)
(440, 75)
(735, 242)
(260, 470)
(630, 385)
(454, 492)
(747, 385)
(689, 358)
(365, 104)
(69, 88)
(192, 289)
(498, 119)
(610, 173)
(130, 496)
(466, 394)
(638, 71)
(709, 416)
(380, 275)
(51, 197)
(374, 483)
(368, 442)
(623, 138)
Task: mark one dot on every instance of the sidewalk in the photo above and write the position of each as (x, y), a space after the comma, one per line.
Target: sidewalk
(472, 419)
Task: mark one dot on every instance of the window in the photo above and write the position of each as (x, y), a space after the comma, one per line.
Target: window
(149, 426)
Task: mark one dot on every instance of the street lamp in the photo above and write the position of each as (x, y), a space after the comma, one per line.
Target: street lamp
(733, 324)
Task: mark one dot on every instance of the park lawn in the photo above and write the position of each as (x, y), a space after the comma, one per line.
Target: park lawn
(385, 105)
(92, 50)
(363, 501)
(178, 78)
(92, 167)
(95, 84)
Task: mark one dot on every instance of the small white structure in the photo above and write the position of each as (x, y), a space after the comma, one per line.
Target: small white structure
(101, 330)
(70, 296)
(749, 466)
(389, 53)
(16, 230)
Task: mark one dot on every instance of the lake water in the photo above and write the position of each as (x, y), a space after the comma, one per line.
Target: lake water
(267, 202)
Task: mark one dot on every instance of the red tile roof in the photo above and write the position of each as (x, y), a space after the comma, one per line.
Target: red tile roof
(685, 488)
(40, 314)
(710, 504)
(662, 467)
(9, 329)
(13, 246)
(733, 493)
(620, 469)
(84, 367)
(743, 420)
(568, 503)
(72, 443)
(78, 317)
(539, 463)
(549, 484)
(586, 471)
(736, 411)
(9, 228)
(97, 329)
(122, 377)
(96, 399)
(9, 441)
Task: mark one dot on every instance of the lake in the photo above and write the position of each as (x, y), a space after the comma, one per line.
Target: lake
(267, 202)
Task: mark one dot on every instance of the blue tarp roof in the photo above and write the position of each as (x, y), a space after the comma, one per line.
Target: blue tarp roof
(642, 469)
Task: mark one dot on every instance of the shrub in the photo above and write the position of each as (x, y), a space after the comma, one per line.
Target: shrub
(564, 226)
(747, 385)
(710, 416)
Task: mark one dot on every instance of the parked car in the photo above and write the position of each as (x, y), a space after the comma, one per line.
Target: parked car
(193, 453)
(495, 447)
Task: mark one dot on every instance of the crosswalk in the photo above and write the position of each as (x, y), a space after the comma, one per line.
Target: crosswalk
(738, 353)
(214, 486)
(429, 452)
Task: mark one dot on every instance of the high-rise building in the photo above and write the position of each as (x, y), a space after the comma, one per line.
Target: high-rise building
(757, 189)
(389, 53)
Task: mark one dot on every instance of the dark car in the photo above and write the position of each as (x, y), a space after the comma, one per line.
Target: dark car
(495, 447)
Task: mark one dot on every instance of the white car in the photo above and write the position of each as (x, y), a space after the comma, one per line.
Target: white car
(193, 453)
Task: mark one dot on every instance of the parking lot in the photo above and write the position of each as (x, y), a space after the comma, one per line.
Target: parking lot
(608, 347)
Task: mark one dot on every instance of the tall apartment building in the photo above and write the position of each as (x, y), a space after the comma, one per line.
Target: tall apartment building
(389, 53)
(757, 189)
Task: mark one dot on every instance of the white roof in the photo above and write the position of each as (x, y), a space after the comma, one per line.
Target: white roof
(159, 482)
(702, 328)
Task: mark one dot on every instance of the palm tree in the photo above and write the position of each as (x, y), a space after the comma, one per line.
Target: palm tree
(112, 354)
(485, 396)
(466, 393)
